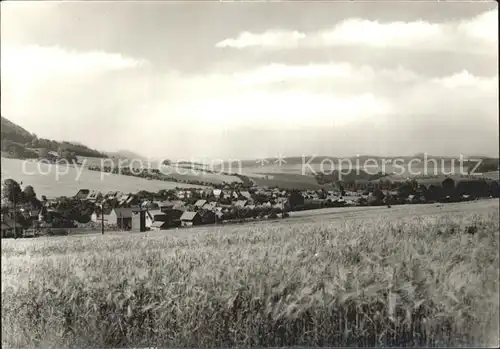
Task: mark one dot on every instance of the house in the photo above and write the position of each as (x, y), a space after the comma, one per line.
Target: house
(159, 225)
(123, 217)
(176, 205)
(245, 195)
(10, 228)
(208, 217)
(113, 195)
(200, 203)
(171, 217)
(164, 204)
(190, 218)
(94, 195)
(184, 194)
(120, 216)
(217, 193)
(95, 217)
(240, 203)
(128, 200)
(210, 206)
(219, 216)
(139, 219)
(154, 215)
(82, 194)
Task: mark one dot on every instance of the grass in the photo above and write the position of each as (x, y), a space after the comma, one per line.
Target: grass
(286, 181)
(179, 173)
(413, 280)
(48, 181)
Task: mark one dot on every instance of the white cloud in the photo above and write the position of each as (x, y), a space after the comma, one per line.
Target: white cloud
(29, 63)
(275, 73)
(274, 38)
(464, 79)
(478, 34)
(330, 107)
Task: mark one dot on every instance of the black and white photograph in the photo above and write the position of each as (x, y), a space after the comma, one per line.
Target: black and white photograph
(249, 174)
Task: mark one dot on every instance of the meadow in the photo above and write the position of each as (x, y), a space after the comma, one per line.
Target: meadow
(56, 180)
(416, 169)
(426, 275)
(179, 172)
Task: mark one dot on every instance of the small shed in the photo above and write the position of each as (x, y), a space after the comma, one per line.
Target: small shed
(190, 218)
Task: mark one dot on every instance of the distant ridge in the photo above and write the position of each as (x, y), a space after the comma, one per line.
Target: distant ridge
(125, 154)
(19, 143)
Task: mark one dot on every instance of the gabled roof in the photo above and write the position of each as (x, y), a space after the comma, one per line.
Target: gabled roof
(200, 203)
(209, 206)
(82, 193)
(245, 194)
(93, 195)
(188, 216)
(240, 203)
(153, 213)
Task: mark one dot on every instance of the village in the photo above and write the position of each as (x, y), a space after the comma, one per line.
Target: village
(23, 215)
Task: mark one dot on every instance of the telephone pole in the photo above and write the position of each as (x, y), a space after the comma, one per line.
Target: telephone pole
(15, 217)
(102, 219)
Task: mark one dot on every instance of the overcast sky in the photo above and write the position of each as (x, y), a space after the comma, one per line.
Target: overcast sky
(244, 80)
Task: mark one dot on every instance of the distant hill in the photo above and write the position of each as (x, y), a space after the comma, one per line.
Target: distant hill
(126, 154)
(17, 142)
(298, 160)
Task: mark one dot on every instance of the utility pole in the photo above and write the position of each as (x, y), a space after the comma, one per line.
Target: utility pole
(15, 217)
(102, 219)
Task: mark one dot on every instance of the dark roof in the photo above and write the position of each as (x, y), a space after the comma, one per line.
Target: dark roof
(82, 193)
(93, 194)
(188, 216)
(153, 213)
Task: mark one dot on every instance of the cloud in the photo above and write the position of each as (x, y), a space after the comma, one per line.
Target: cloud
(276, 73)
(478, 34)
(29, 63)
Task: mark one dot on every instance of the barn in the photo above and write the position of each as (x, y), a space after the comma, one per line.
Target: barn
(190, 218)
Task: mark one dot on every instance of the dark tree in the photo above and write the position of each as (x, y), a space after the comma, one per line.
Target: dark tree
(12, 191)
(295, 199)
(29, 193)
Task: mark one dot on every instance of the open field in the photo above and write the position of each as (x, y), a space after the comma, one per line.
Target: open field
(54, 180)
(416, 168)
(285, 181)
(403, 276)
(179, 173)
